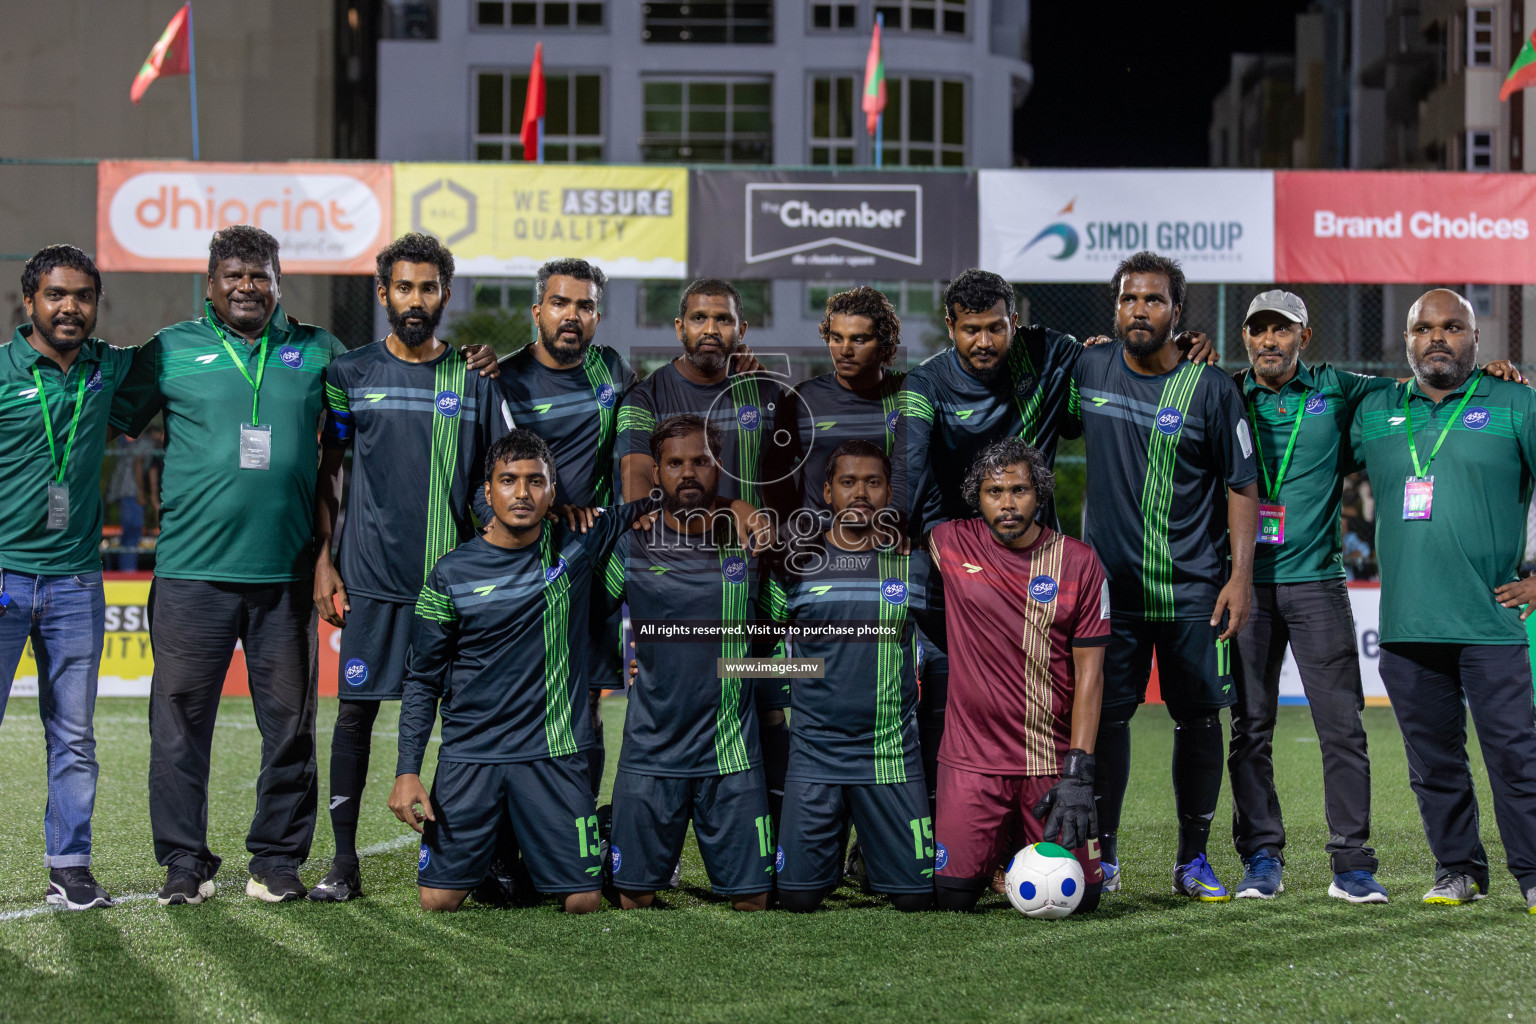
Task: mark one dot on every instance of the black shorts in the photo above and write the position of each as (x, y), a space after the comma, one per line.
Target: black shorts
(371, 664)
(1194, 668)
(895, 835)
(548, 806)
(730, 821)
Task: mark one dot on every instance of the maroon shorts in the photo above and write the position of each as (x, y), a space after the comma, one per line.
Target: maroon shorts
(983, 820)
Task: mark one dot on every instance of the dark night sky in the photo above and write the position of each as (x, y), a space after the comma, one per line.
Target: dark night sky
(1121, 84)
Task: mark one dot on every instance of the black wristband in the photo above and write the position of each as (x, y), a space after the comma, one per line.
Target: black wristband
(1079, 765)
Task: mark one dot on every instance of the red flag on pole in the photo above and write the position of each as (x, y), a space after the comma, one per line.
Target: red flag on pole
(533, 109)
(874, 82)
(169, 57)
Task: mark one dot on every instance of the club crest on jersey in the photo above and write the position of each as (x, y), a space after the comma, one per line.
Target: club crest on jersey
(748, 417)
(734, 569)
(355, 671)
(1317, 405)
(1475, 418)
(448, 403)
(894, 591)
(94, 384)
(778, 862)
(890, 420)
(423, 858)
(1042, 589)
(291, 357)
(605, 396)
(1169, 420)
(615, 859)
(940, 856)
(555, 571)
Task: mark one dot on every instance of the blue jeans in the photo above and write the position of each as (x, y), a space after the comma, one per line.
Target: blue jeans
(131, 515)
(64, 617)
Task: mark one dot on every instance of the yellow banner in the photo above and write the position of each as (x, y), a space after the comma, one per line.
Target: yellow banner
(126, 661)
(507, 219)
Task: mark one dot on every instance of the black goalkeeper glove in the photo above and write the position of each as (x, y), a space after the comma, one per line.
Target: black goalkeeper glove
(1067, 809)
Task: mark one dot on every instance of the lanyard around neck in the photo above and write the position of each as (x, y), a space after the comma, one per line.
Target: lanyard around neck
(261, 362)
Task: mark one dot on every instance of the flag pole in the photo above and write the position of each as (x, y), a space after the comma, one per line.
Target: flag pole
(192, 69)
(541, 139)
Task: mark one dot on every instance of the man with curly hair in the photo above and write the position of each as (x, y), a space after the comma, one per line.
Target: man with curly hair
(419, 424)
(1016, 764)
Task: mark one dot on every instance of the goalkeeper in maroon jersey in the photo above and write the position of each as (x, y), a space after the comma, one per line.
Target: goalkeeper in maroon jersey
(1027, 621)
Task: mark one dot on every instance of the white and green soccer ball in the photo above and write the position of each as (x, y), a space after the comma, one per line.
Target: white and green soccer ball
(1044, 880)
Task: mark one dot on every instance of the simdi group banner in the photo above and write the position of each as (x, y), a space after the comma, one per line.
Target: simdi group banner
(1387, 227)
(507, 219)
(879, 225)
(1038, 225)
(157, 215)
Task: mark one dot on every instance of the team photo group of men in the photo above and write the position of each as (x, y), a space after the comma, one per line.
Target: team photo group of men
(839, 604)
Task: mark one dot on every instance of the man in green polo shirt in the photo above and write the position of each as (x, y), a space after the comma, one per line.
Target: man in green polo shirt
(1452, 458)
(56, 388)
(242, 392)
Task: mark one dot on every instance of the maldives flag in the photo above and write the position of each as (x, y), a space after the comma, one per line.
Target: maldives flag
(533, 107)
(874, 83)
(169, 57)
(1523, 74)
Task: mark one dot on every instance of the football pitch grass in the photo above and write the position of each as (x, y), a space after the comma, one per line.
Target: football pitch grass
(1145, 955)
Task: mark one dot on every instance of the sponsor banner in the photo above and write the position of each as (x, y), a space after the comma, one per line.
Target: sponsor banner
(157, 215)
(507, 219)
(127, 662)
(1404, 228)
(809, 224)
(1078, 225)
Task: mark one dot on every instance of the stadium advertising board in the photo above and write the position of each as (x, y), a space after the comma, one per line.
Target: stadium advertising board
(807, 224)
(156, 215)
(1077, 225)
(507, 219)
(1404, 228)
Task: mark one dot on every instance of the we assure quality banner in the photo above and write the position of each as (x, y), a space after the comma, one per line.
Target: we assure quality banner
(507, 219)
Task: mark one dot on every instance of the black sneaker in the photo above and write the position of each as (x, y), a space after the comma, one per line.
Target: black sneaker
(183, 885)
(76, 889)
(340, 884)
(276, 885)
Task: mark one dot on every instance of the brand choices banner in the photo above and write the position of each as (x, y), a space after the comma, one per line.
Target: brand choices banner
(1405, 228)
(330, 218)
(808, 224)
(507, 219)
(1078, 225)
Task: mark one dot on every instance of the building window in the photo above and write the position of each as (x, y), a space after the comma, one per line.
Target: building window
(834, 16)
(494, 14)
(728, 121)
(1479, 151)
(1480, 37)
(833, 119)
(731, 21)
(945, 17)
(573, 117)
(409, 19)
(658, 302)
(915, 299)
(924, 122)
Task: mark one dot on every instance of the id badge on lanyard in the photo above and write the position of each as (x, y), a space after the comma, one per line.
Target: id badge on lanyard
(1418, 497)
(1271, 524)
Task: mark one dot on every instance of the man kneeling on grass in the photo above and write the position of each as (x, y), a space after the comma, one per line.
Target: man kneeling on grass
(493, 630)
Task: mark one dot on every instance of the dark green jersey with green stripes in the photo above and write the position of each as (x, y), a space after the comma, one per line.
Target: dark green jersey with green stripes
(684, 718)
(418, 433)
(1438, 574)
(743, 406)
(857, 724)
(576, 411)
(828, 414)
(1162, 452)
(493, 641)
(217, 521)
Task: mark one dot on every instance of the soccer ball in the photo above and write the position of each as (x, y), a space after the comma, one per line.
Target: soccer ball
(1044, 880)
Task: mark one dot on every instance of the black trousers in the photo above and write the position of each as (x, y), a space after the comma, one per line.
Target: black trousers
(193, 626)
(1314, 619)
(1427, 684)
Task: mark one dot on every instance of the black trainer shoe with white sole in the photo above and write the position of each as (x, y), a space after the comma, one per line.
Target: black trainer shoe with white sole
(76, 889)
(276, 885)
(340, 884)
(183, 885)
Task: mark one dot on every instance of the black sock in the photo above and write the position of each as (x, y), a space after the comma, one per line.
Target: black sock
(350, 746)
(1197, 768)
(1112, 757)
(775, 740)
(597, 756)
